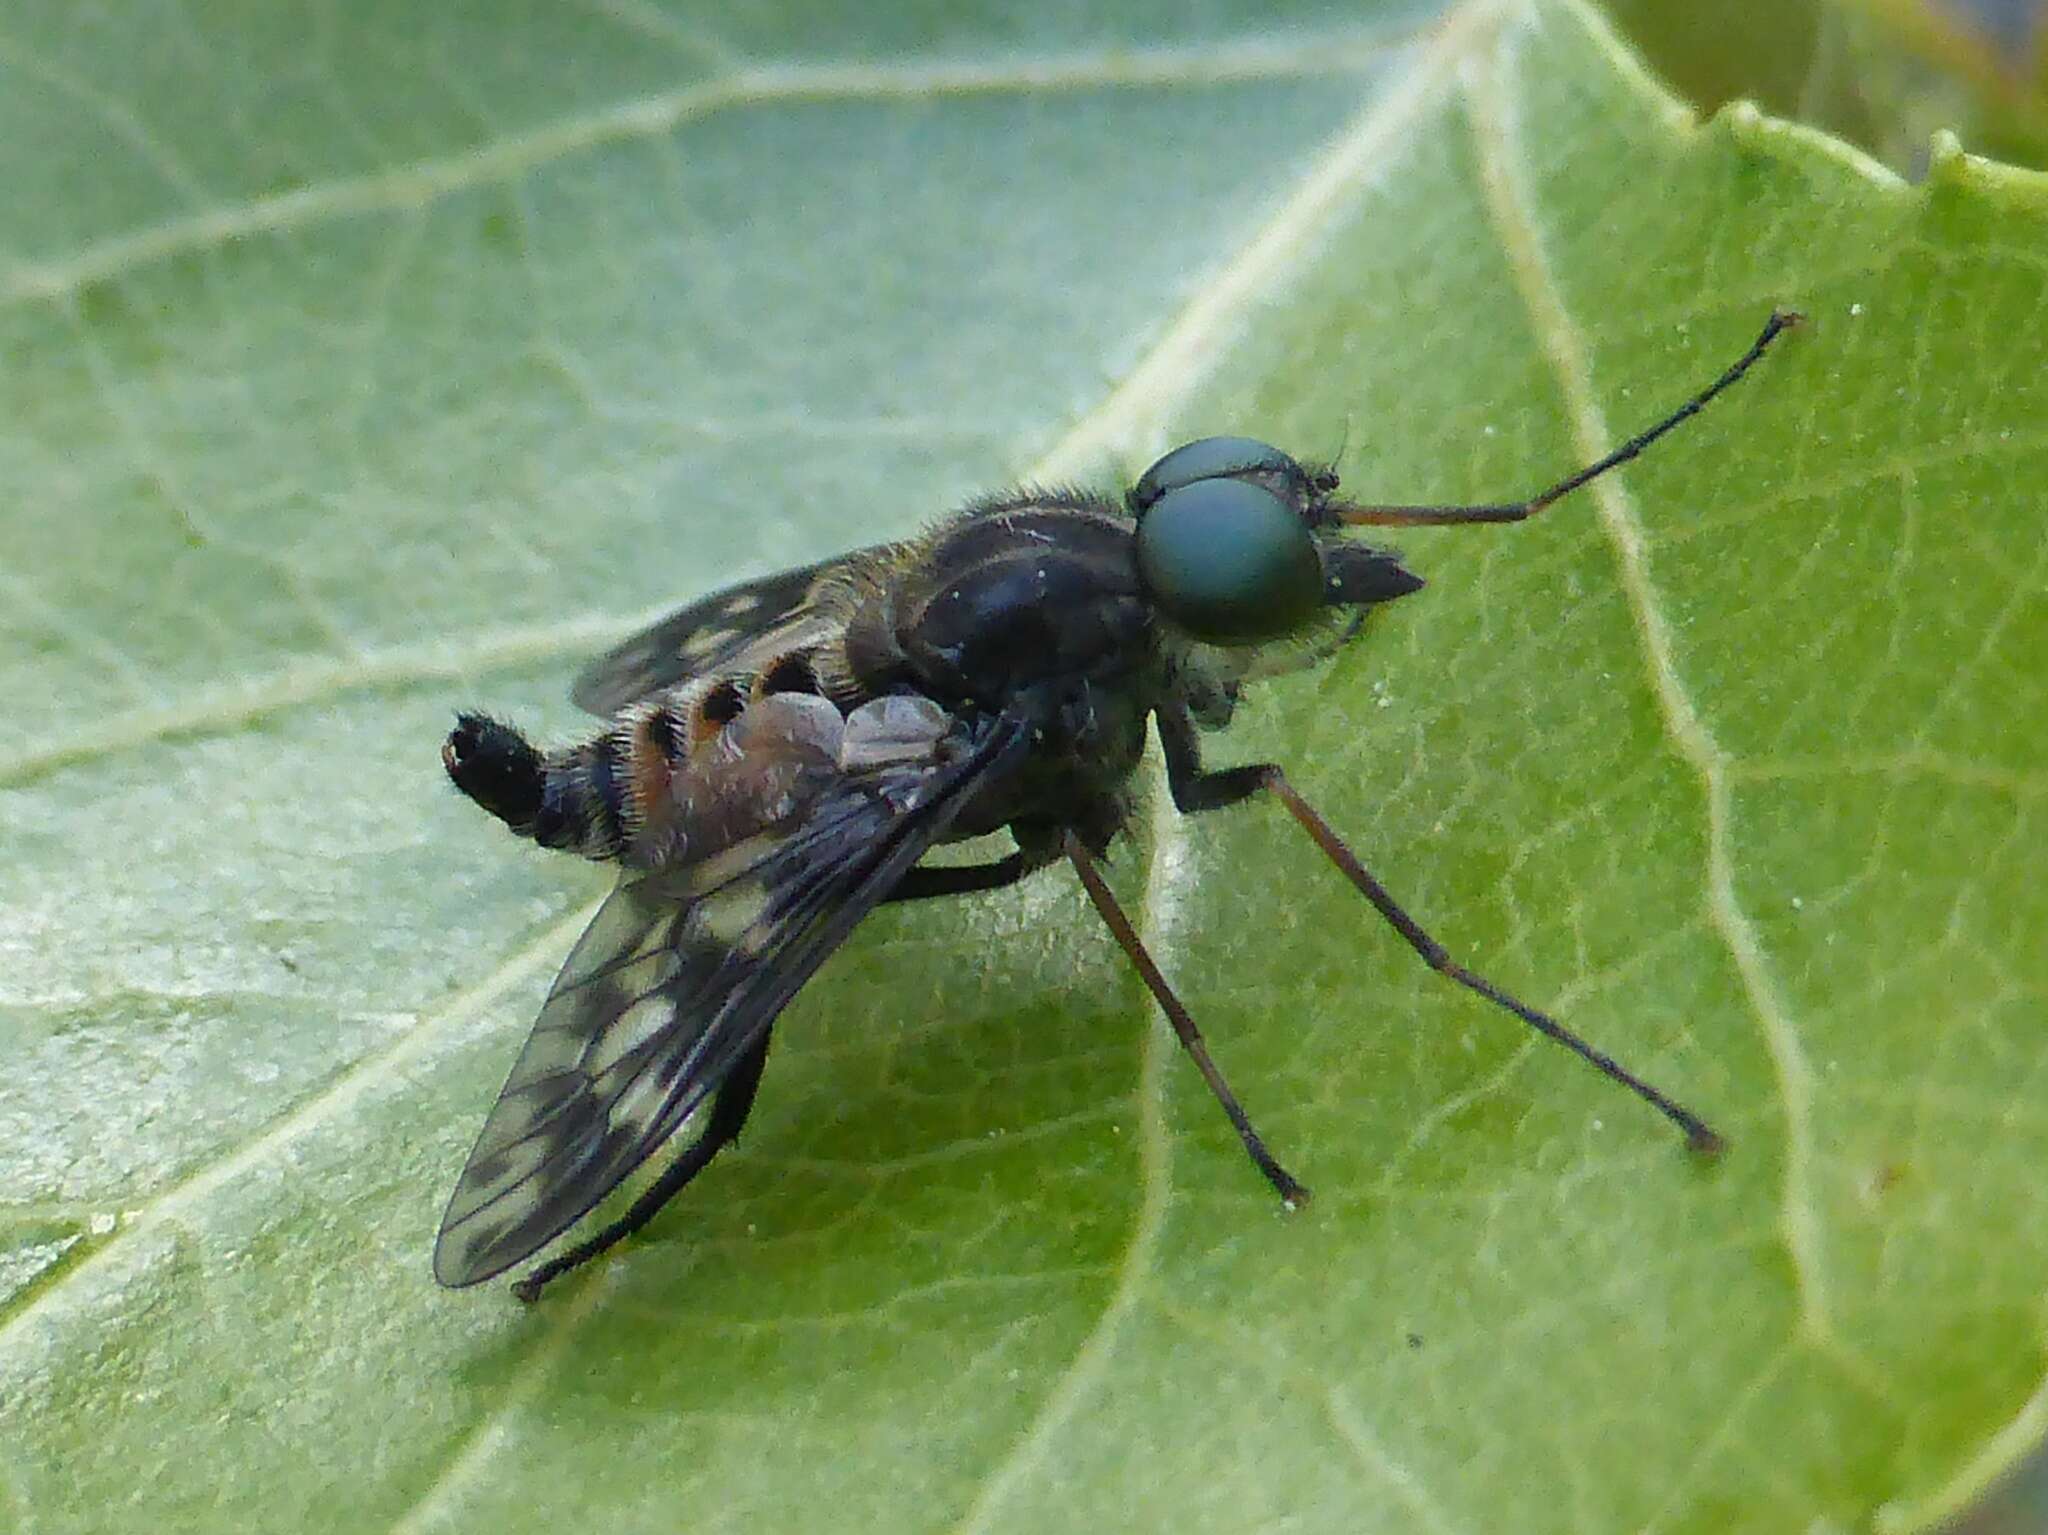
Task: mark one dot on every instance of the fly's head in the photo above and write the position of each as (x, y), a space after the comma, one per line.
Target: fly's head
(1238, 544)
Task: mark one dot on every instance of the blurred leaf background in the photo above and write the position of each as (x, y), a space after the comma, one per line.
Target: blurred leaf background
(1883, 74)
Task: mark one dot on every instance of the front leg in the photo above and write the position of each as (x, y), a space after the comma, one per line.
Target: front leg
(1193, 789)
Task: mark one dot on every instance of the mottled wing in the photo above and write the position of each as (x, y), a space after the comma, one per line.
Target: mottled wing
(736, 630)
(677, 975)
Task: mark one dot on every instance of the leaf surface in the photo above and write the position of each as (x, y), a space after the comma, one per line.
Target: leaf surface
(375, 366)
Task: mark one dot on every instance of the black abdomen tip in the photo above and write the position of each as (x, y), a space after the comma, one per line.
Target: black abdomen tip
(495, 765)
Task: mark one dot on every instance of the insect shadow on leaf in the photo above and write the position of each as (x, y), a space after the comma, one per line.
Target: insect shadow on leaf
(780, 755)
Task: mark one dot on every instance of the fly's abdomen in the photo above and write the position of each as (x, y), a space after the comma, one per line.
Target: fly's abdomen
(677, 780)
(595, 797)
(578, 797)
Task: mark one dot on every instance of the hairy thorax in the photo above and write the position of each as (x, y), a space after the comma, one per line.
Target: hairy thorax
(1036, 600)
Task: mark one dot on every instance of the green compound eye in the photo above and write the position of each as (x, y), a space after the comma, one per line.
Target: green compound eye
(1212, 458)
(1229, 562)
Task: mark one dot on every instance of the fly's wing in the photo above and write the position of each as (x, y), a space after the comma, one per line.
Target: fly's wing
(680, 971)
(737, 630)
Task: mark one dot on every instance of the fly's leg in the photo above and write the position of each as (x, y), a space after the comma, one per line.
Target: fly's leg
(1195, 791)
(729, 1110)
(1112, 914)
(921, 884)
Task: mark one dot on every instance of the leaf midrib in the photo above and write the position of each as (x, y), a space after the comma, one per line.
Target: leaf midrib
(1510, 207)
(1177, 365)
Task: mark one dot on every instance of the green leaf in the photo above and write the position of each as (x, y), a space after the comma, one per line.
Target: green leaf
(363, 366)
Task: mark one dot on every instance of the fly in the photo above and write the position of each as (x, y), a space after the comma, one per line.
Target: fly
(781, 755)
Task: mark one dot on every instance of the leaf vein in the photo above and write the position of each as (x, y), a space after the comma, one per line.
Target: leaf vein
(1167, 376)
(422, 183)
(342, 1093)
(1489, 96)
(312, 681)
(469, 1451)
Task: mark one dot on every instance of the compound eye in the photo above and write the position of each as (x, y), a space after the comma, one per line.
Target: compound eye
(1214, 458)
(1229, 562)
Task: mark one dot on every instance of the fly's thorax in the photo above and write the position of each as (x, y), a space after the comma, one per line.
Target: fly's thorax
(864, 659)
(1023, 596)
(1087, 745)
